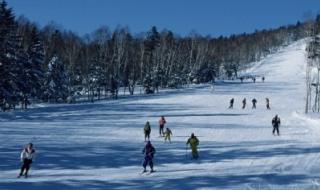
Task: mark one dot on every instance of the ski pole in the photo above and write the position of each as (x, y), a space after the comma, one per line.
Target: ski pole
(186, 151)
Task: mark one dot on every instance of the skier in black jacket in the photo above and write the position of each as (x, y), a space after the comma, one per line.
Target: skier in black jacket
(254, 102)
(148, 152)
(244, 102)
(231, 103)
(268, 103)
(276, 124)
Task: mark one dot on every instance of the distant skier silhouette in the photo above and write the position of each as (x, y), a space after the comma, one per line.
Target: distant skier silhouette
(162, 122)
(244, 102)
(276, 124)
(268, 103)
(168, 134)
(147, 131)
(254, 103)
(231, 103)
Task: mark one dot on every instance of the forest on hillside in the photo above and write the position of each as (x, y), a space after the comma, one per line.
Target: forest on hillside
(51, 64)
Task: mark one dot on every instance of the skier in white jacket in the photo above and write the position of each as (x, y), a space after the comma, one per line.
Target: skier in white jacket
(27, 155)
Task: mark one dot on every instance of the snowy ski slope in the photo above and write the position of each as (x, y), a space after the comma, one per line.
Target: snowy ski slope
(98, 146)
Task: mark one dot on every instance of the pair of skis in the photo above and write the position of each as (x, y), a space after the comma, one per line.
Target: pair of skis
(24, 176)
(146, 172)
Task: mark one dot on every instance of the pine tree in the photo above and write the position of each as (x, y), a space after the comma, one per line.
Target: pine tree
(7, 23)
(15, 59)
(31, 75)
(36, 60)
(151, 44)
(147, 84)
(11, 58)
(57, 81)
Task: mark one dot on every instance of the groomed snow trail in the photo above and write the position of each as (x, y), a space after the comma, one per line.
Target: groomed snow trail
(98, 146)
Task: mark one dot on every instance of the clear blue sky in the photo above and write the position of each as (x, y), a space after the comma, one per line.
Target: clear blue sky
(207, 17)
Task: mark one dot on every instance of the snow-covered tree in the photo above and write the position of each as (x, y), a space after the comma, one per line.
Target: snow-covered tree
(36, 61)
(147, 84)
(10, 68)
(57, 81)
(8, 78)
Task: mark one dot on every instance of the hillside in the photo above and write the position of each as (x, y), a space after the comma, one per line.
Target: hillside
(98, 146)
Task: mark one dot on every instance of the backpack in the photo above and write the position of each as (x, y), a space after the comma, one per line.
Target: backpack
(147, 128)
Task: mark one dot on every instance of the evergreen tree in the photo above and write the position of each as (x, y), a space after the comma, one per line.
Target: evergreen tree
(15, 59)
(36, 61)
(7, 84)
(57, 82)
(147, 84)
(7, 23)
(151, 44)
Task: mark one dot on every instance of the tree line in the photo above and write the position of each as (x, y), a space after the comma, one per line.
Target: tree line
(51, 64)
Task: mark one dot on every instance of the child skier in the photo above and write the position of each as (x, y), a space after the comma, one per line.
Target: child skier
(168, 134)
(148, 152)
(162, 121)
(27, 155)
(147, 131)
(194, 142)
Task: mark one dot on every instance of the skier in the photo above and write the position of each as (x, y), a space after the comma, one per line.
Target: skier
(254, 79)
(254, 102)
(168, 134)
(147, 131)
(263, 79)
(244, 102)
(268, 103)
(231, 103)
(194, 142)
(241, 79)
(148, 152)
(27, 155)
(162, 121)
(276, 124)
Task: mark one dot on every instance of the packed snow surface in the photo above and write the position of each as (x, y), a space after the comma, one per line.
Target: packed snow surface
(99, 145)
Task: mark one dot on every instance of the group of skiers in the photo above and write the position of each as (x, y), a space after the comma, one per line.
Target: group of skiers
(193, 141)
(28, 153)
(149, 150)
(253, 79)
(254, 103)
(166, 134)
